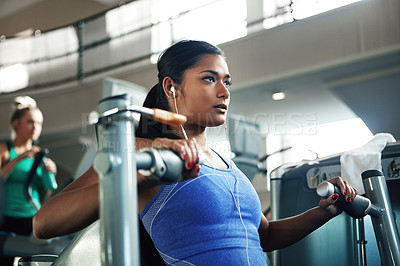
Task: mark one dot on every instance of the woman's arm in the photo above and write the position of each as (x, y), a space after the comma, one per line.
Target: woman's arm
(285, 232)
(77, 205)
(7, 168)
(71, 210)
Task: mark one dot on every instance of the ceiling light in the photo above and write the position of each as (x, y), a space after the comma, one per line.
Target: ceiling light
(13, 78)
(276, 96)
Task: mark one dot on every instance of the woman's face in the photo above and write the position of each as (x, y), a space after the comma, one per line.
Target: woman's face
(30, 125)
(204, 92)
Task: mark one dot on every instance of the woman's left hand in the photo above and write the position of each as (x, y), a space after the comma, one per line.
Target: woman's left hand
(50, 166)
(346, 189)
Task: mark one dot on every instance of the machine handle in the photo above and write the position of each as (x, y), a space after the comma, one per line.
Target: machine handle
(359, 208)
(160, 164)
(29, 180)
(169, 118)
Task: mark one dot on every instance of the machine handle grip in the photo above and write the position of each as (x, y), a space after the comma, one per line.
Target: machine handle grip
(160, 164)
(359, 208)
(169, 118)
(29, 180)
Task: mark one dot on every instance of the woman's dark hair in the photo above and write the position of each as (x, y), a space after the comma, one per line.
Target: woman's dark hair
(173, 63)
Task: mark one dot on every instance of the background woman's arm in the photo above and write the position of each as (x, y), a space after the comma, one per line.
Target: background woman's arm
(8, 167)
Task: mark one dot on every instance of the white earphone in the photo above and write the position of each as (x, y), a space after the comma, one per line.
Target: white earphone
(173, 91)
(176, 109)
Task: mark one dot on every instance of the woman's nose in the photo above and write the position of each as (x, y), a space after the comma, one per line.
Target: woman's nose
(36, 125)
(223, 91)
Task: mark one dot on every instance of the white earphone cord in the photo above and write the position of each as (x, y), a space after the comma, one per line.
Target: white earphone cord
(236, 200)
(176, 109)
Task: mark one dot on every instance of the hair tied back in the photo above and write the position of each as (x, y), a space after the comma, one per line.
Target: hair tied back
(22, 102)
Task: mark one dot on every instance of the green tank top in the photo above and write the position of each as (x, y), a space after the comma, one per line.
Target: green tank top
(16, 204)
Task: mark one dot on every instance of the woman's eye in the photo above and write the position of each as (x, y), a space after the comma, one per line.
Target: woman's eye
(210, 79)
(228, 83)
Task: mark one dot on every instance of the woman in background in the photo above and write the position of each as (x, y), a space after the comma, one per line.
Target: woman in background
(16, 159)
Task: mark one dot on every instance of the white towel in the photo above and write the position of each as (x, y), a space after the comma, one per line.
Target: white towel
(366, 157)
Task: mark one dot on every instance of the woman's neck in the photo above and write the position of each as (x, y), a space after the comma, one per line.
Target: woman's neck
(209, 157)
(22, 143)
(196, 132)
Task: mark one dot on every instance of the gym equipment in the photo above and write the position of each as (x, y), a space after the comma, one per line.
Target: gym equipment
(387, 235)
(360, 207)
(245, 140)
(28, 183)
(115, 161)
(113, 239)
(381, 214)
(344, 240)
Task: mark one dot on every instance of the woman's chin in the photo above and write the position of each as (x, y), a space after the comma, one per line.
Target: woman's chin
(209, 122)
(216, 123)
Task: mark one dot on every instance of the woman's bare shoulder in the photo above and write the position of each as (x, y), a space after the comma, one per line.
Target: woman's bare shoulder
(4, 152)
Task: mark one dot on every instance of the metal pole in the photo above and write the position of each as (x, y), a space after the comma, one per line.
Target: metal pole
(362, 242)
(115, 164)
(385, 229)
(276, 176)
(81, 72)
(275, 194)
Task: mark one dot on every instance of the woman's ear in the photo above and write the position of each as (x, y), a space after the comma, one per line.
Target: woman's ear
(169, 89)
(14, 125)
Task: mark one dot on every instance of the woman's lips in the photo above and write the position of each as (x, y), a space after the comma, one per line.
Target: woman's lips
(221, 107)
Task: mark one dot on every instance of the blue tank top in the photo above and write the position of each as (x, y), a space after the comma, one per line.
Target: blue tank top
(197, 222)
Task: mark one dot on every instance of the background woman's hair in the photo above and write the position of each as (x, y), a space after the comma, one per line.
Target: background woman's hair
(21, 105)
(173, 63)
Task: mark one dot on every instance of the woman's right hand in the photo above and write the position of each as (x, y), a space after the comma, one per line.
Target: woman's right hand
(188, 151)
(9, 167)
(29, 153)
(348, 191)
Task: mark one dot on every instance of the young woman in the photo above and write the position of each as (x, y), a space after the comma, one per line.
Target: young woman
(213, 217)
(16, 159)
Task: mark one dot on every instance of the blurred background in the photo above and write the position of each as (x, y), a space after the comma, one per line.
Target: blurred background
(318, 76)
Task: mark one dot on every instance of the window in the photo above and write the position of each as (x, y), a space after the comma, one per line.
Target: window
(318, 140)
(279, 12)
(213, 21)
